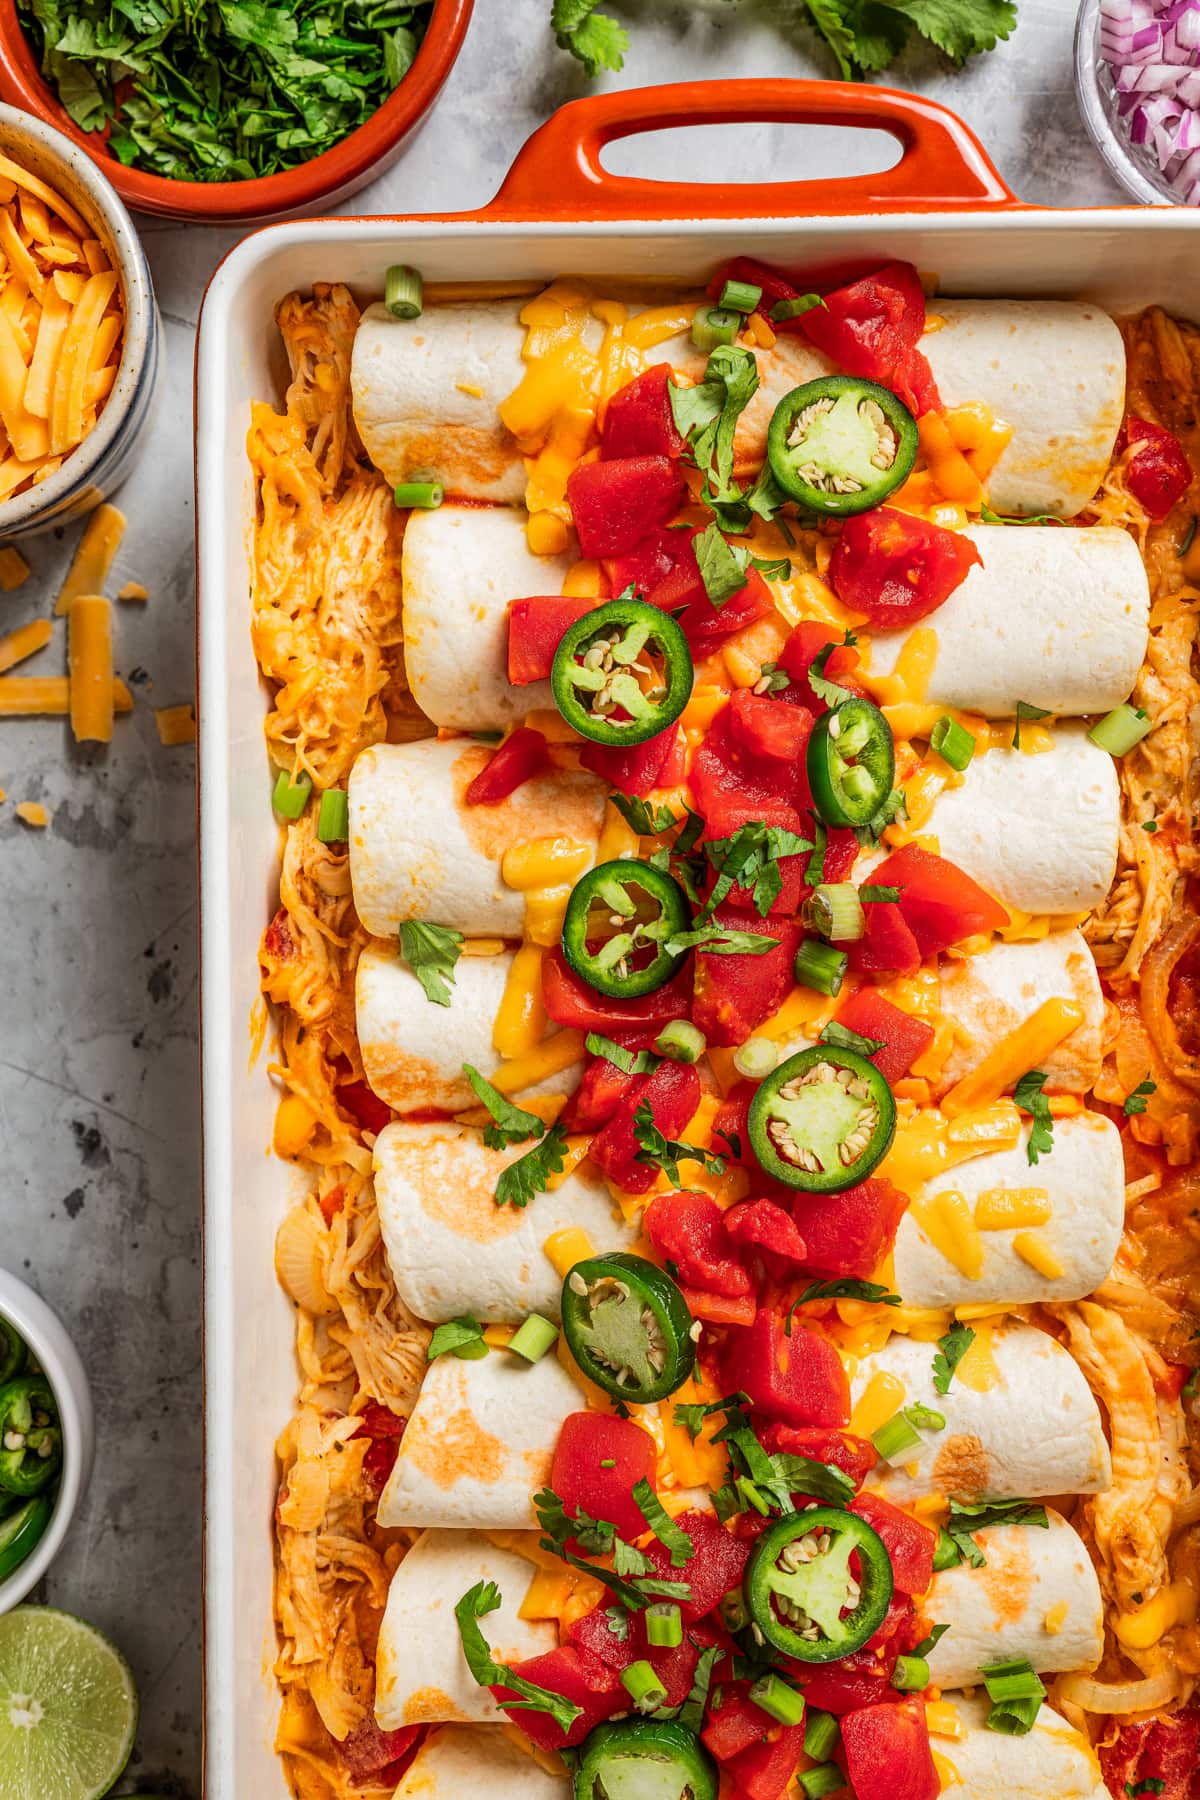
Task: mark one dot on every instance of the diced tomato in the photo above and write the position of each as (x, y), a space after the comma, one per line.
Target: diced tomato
(570, 1001)
(688, 1230)
(578, 1679)
(594, 1638)
(850, 1233)
(763, 1225)
(385, 1429)
(898, 568)
(735, 992)
(901, 1037)
(799, 1379)
(765, 1771)
(735, 1724)
(774, 283)
(731, 1127)
(939, 903)
(643, 567)
(615, 504)
(638, 420)
(1158, 473)
(900, 1629)
(587, 1443)
(634, 768)
(672, 1093)
(675, 1666)
(674, 771)
(909, 1544)
(804, 645)
(705, 624)
(887, 1753)
(368, 1111)
(1165, 1750)
(368, 1751)
(762, 727)
(853, 1455)
(872, 328)
(888, 946)
(683, 588)
(863, 1679)
(535, 627)
(720, 1309)
(714, 1567)
(519, 757)
(597, 1097)
(333, 1203)
(730, 786)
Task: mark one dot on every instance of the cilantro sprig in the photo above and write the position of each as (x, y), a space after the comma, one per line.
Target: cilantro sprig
(432, 953)
(950, 1352)
(510, 1124)
(475, 1604)
(967, 1518)
(1028, 1095)
(529, 1176)
(659, 1152)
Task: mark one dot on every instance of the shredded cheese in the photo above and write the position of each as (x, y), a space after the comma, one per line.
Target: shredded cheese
(175, 725)
(133, 591)
(567, 1247)
(1033, 1249)
(1025, 1048)
(46, 695)
(93, 558)
(521, 1018)
(90, 669)
(32, 812)
(25, 641)
(1007, 1209)
(13, 568)
(946, 1220)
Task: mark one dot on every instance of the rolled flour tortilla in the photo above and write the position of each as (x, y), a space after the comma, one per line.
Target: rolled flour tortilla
(1040, 832)
(989, 995)
(1052, 1760)
(452, 1250)
(1057, 618)
(479, 1443)
(480, 1762)
(461, 565)
(1084, 1181)
(1001, 1610)
(421, 1674)
(418, 851)
(413, 1053)
(427, 392)
(1035, 1430)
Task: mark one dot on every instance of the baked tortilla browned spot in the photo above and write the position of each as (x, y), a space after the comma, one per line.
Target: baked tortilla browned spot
(963, 1467)
(454, 1448)
(569, 804)
(1008, 1577)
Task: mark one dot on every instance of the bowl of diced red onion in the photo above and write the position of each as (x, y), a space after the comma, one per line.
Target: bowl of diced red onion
(1137, 75)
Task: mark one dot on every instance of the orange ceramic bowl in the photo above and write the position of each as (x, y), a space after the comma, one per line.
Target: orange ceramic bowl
(290, 194)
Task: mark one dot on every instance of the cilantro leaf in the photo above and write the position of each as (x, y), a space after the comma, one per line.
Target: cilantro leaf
(750, 859)
(775, 569)
(1029, 1097)
(722, 565)
(814, 874)
(475, 1604)
(647, 821)
(845, 1287)
(618, 1622)
(659, 1152)
(524, 1179)
(691, 1713)
(843, 1038)
(716, 940)
(1136, 1102)
(1026, 711)
(431, 952)
(594, 39)
(950, 1352)
(1149, 1784)
(630, 1062)
(455, 1336)
(828, 691)
(695, 408)
(872, 891)
(966, 1519)
(961, 28)
(595, 1536)
(994, 518)
(510, 1124)
(671, 1536)
(937, 1633)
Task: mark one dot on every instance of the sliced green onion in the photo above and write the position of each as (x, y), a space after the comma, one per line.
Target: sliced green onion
(681, 1041)
(895, 1438)
(1015, 1718)
(952, 742)
(1012, 1678)
(755, 1058)
(750, 1493)
(794, 307)
(947, 1554)
(664, 1625)
(532, 1339)
(643, 1686)
(403, 292)
(911, 1674)
(711, 327)
(740, 296)
(1121, 729)
(424, 495)
(291, 796)
(778, 1699)
(835, 910)
(826, 1778)
(821, 967)
(924, 1417)
(333, 820)
(821, 1734)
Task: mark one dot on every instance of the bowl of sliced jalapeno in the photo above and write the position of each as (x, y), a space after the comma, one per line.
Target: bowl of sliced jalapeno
(46, 1437)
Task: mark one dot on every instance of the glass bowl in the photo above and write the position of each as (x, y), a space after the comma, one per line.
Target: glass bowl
(1133, 165)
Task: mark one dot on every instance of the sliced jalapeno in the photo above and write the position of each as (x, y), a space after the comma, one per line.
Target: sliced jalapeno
(622, 673)
(618, 921)
(840, 445)
(12, 1351)
(802, 1593)
(30, 1435)
(21, 1532)
(851, 763)
(822, 1120)
(628, 1327)
(645, 1759)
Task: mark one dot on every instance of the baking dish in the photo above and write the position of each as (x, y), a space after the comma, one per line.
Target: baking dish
(942, 206)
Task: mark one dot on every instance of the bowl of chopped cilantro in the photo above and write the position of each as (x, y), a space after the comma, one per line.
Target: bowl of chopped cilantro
(231, 111)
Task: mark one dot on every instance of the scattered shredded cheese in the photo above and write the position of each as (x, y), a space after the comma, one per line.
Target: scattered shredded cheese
(13, 568)
(176, 724)
(93, 559)
(90, 669)
(25, 641)
(32, 812)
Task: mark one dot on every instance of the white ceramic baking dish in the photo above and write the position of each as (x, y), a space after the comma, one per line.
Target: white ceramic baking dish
(942, 207)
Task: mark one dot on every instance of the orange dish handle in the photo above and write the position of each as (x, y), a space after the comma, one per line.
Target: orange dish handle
(558, 174)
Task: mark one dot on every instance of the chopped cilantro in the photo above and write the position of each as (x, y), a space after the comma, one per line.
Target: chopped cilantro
(950, 1352)
(1028, 1095)
(528, 1176)
(510, 1124)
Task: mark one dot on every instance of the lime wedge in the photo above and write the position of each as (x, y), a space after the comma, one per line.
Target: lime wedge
(68, 1707)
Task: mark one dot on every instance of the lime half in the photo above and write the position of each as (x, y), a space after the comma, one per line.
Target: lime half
(68, 1707)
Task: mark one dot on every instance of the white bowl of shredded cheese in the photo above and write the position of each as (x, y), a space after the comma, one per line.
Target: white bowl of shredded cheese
(79, 331)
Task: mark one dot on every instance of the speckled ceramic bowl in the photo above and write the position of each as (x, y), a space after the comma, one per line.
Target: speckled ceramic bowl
(58, 1359)
(100, 463)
